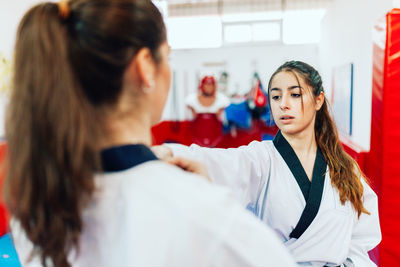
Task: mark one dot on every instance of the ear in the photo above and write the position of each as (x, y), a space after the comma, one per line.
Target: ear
(143, 68)
(319, 101)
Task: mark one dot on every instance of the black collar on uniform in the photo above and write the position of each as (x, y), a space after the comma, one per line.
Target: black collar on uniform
(293, 163)
(312, 191)
(124, 157)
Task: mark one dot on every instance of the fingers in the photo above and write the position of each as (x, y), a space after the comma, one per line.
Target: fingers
(165, 153)
(180, 162)
(186, 164)
(162, 152)
(190, 166)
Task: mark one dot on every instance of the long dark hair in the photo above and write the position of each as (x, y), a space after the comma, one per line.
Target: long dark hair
(67, 68)
(344, 171)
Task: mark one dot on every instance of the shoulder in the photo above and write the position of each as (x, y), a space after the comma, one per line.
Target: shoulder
(368, 194)
(195, 198)
(222, 100)
(262, 147)
(159, 181)
(191, 99)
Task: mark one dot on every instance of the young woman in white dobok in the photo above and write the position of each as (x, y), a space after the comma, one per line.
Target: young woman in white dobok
(302, 184)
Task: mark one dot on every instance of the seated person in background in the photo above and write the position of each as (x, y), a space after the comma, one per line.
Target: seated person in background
(207, 99)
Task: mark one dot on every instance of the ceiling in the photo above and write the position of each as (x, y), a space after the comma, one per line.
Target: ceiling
(222, 7)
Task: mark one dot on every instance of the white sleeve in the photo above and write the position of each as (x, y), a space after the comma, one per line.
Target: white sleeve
(222, 101)
(366, 232)
(249, 243)
(242, 169)
(190, 100)
(246, 241)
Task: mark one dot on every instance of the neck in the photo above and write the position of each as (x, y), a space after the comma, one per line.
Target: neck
(303, 143)
(204, 94)
(121, 131)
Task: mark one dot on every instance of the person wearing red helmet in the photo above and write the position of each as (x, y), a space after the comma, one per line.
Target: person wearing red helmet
(207, 99)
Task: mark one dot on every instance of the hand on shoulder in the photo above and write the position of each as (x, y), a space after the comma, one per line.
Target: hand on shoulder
(190, 166)
(162, 152)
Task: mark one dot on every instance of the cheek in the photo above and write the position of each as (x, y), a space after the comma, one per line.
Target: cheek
(274, 109)
(309, 111)
(168, 75)
(275, 105)
(167, 81)
(166, 78)
(163, 85)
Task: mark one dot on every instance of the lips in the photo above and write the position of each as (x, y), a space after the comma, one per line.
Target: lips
(286, 117)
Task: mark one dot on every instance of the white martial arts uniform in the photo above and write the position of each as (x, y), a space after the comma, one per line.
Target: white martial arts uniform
(263, 181)
(221, 102)
(156, 215)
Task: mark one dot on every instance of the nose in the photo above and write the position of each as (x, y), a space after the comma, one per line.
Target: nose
(284, 104)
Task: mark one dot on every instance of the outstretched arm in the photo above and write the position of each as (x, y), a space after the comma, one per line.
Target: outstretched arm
(243, 169)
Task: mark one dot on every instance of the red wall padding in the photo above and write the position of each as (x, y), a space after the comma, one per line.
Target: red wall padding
(187, 133)
(382, 163)
(3, 211)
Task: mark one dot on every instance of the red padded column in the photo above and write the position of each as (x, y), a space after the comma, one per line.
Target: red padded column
(382, 162)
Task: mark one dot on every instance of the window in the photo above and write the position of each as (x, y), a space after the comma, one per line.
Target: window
(266, 31)
(194, 32)
(289, 27)
(252, 32)
(237, 33)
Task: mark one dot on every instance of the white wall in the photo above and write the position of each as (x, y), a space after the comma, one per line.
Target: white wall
(11, 13)
(239, 61)
(347, 38)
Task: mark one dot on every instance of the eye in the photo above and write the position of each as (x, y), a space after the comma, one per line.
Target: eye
(275, 97)
(296, 95)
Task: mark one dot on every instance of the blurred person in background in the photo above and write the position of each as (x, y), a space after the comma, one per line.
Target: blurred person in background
(207, 99)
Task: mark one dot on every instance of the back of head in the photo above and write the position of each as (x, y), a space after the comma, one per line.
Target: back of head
(69, 63)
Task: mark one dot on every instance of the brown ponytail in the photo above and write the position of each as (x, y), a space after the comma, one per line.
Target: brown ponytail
(66, 70)
(344, 171)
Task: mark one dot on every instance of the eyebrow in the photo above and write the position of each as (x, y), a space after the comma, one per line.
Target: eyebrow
(290, 88)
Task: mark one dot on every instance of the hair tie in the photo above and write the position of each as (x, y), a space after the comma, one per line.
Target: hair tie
(63, 9)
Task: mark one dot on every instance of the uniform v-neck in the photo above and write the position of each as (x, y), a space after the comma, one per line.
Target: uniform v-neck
(312, 190)
(295, 166)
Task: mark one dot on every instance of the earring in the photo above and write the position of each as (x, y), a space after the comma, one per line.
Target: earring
(150, 88)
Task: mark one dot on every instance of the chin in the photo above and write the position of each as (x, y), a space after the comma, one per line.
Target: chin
(289, 130)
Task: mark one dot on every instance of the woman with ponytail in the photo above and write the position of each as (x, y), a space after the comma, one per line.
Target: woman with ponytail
(83, 187)
(302, 184)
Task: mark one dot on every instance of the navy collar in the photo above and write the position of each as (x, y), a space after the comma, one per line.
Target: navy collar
(312, 191)
(124, 157)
